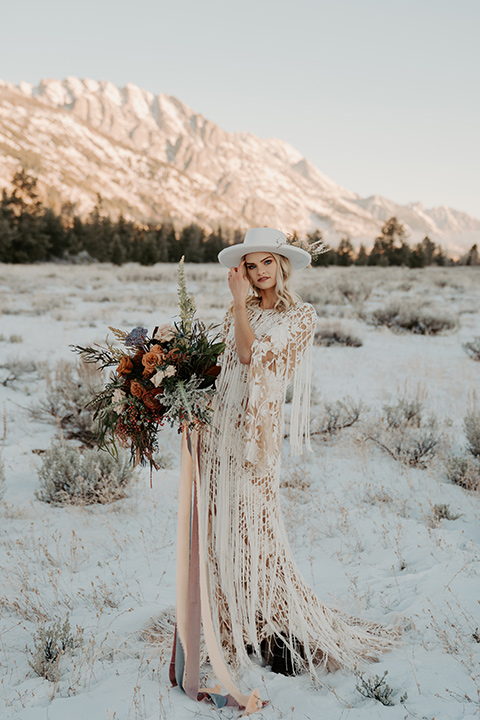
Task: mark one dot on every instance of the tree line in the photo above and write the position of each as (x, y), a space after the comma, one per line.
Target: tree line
(31, 232)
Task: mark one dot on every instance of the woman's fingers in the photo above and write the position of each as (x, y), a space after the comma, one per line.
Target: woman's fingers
(238, 281)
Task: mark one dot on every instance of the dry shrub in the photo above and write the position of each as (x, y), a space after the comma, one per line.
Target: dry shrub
(296, 479)
(2, 479)
(337, 416)
(16, 369)
(472, 348)
(408, 318)
(328, 336)
(354, 293)
(50, 643)
(377, 496)
(405, 434)
(471, 426)
(69, 476)
(377, 688)
(70, 390)
(464, 471)
(442, 511)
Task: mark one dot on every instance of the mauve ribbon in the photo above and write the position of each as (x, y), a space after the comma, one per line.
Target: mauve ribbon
(193, 605)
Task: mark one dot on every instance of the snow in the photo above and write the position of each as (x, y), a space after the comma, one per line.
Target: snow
(361, 531)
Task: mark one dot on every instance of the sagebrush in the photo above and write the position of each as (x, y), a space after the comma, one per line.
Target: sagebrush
(337, 416)
(2, 479)
(328, 336)
(50, 643)
(472, 348)
(464, 471)
(409, 318)
(69, 476)
(404, 432)
(471, 425)
(67, 395)
(377, 688)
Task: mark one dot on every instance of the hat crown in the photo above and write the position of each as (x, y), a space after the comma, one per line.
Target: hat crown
(264, 239)
(265, 236)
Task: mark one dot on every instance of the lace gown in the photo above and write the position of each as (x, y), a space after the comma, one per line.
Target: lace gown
(255, 588)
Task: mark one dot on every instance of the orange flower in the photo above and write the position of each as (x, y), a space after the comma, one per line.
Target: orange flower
(151, 359)
(173, 355)
(137, 389)
(125, 366)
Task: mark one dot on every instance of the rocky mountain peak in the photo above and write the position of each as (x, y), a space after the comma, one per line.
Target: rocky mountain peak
(153, 158)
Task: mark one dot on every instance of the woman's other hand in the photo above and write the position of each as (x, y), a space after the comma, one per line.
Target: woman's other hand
(238, 283)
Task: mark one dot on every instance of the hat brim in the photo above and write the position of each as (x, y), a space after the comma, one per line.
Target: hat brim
(232, 256)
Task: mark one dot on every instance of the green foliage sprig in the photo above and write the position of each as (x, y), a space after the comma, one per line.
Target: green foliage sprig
(186, 302)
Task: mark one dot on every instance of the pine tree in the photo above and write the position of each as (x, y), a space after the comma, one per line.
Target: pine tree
(345, 252)
(362, 256)
(390, 247)
(213, 244)
(473, 258)
(24, 197)
(22, 214)
(191, 243)
(51, 225)
(149, 254)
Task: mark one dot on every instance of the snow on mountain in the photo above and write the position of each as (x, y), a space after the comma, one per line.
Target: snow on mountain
(155, 159)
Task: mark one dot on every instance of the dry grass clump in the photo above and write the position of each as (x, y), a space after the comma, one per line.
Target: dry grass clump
(328, 336)
(297, 479)
(17, 369)
(405, 434)
(2, 479)
(442, 511)
(69, 476)
(464, 471)
(14, 338)
(377, 688)
(472, 348)
(50, 643)
(408, 318)
(67, 394)
(337, 416)
(471, 426)
(379, 496)
(356, 293)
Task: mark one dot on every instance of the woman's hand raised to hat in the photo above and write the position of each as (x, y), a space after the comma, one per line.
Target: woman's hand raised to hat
(238, 282)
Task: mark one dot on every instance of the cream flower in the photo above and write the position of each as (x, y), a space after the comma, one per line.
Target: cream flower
(158, 378)
(163, 333)
(118, 396)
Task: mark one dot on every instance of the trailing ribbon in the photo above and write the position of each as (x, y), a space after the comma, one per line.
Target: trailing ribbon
(193, 605)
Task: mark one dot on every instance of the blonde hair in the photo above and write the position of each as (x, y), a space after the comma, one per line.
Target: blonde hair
(286, 295)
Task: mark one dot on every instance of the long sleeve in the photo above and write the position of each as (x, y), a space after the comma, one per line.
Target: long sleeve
(277, 357)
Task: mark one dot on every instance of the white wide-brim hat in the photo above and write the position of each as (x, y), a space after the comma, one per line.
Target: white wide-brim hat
(264, 239)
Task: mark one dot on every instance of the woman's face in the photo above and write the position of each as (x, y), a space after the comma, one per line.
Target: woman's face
(261, 269)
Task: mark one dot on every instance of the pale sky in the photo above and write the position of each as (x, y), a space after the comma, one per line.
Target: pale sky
(380, 95)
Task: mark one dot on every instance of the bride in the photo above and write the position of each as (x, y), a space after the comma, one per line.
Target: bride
(259, 603)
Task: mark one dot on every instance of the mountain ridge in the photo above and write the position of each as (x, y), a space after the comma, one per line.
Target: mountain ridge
(155, 159)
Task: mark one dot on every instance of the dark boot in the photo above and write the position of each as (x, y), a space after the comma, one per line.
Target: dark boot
(280, 656)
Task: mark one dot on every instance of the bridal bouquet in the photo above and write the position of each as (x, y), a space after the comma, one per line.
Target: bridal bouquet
(166, 377)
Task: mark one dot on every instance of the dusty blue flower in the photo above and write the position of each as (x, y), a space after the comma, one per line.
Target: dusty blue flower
(136, 337)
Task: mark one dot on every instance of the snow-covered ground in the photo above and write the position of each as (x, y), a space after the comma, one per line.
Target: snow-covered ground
(360, 522)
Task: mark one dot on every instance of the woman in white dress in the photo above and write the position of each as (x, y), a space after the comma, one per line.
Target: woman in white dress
(259, 602)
